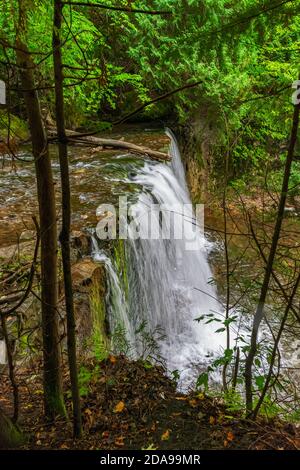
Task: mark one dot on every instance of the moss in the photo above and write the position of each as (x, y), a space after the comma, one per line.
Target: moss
(119, 255)
(55, 403)
(11, 435)
(100, 334)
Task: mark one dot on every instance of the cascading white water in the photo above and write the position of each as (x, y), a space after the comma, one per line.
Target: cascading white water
(168, 283)
(117, 304)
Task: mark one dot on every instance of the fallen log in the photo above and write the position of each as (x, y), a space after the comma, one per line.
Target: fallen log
(83, 139)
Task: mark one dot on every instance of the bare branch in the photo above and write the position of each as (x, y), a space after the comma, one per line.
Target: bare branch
(120, 8)
(5, 313)
(155, 100)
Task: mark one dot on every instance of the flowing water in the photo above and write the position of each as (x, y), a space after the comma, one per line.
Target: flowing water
(169, 283)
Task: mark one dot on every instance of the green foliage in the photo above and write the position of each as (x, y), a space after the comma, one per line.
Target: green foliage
(148, 342)
(233, 401)
(175, 375)
(96, 79)
(270, 409)
(146, 345)
(234, 395)
(294, 185)
(247, 67)
(120, 343)
(13, 127)
(115, 61)
(202, 381)
(275, 179)
(84, 379)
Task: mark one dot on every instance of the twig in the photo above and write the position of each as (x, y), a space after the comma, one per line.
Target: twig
(8, 312)
(117, 8)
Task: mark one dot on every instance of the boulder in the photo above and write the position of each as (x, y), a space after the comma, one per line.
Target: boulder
(87, 272)
(90, 290)
(81, 245)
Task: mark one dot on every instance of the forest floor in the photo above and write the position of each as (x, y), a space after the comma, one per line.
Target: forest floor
(132, 405)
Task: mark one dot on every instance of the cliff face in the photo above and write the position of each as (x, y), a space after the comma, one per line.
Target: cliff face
(198, 139)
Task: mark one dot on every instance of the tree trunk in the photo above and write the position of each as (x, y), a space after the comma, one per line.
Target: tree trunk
(53, 396)
(66, 215)
(269, 267)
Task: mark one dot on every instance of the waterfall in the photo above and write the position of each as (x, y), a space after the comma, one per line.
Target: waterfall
(116, 302)
(169, 285)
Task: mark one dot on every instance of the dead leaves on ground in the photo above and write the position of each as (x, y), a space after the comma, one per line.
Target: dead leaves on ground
(119, 407)
(119, 441)
(166, 435)
(133, 407)
(212, 420)
(229, 439)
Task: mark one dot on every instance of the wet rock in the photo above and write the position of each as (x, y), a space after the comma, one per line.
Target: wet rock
(90, 289)
(17, 251)
(81, 245)
(132, 175)
(85, 273)
(104, 215)
(27, 235)
(197, 139)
